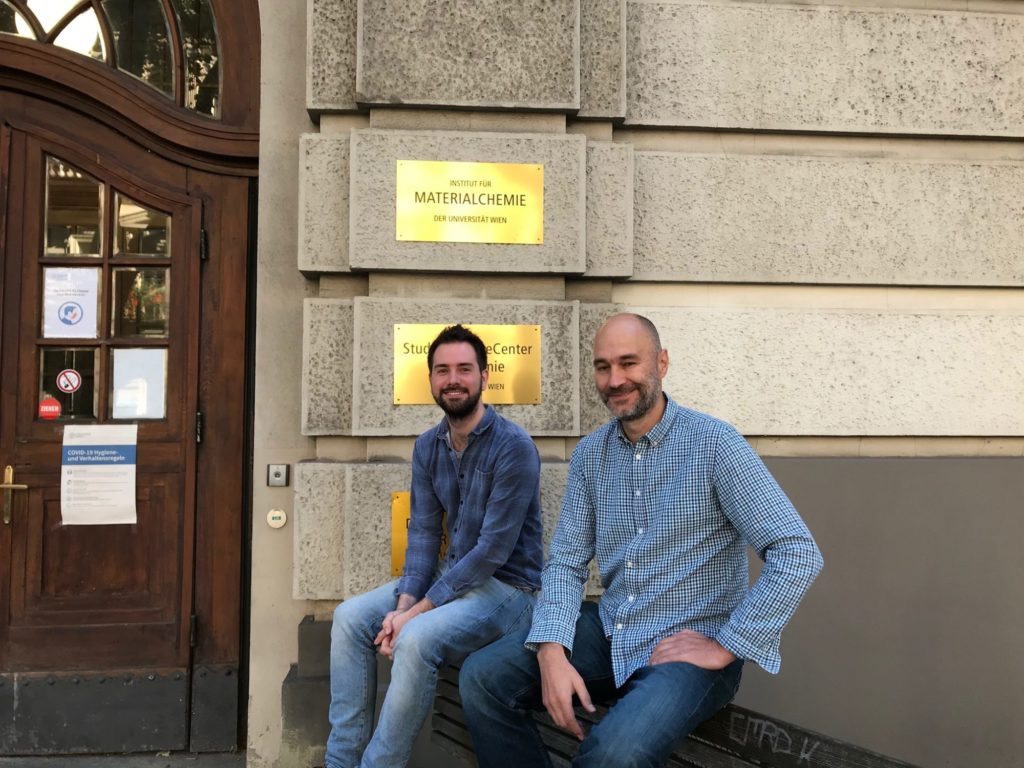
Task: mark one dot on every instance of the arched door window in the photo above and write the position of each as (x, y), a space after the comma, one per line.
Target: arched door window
(170, 45)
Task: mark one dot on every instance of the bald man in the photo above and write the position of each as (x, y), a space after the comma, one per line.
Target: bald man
(667, 499)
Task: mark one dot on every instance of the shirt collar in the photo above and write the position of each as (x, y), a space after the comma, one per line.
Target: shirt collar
(659, 431)
(479, 429)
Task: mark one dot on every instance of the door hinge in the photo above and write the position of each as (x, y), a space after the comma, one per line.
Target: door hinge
(193, 630)
(204, 245)
(199, 426)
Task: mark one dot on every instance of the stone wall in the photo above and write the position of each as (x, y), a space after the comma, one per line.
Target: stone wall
(818, 204)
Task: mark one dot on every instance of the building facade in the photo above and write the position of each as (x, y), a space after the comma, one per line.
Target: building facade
(819, 205)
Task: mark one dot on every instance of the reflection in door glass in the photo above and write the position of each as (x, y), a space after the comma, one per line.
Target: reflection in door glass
(74, 204)
(142, 41)
(141, 296)
(202, 59)
(12, 22)
(140, 231)
(140, 384)
(69, 376)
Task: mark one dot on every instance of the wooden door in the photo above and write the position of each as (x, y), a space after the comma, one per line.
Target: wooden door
(99, 622)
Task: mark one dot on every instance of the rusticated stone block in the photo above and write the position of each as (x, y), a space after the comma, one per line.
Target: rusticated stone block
(331, 55)
(603, 59)
(318, 539)
(327, 367)
(323, 202)
(761, 66)
(827, 220)
(840, 372)
(375, 154)
(469, 53)
(342, 520)
(609, 209)
(373, 401)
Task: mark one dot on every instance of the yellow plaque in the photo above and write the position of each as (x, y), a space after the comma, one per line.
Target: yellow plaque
(451, 202)
(400, 531)
(513, 358)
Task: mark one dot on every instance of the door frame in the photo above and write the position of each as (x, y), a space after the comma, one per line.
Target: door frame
(221, 157)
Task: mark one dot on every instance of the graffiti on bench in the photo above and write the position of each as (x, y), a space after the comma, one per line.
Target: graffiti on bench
(746, 730)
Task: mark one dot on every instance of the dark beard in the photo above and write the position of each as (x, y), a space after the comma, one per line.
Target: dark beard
(648, 394)
(462, 411)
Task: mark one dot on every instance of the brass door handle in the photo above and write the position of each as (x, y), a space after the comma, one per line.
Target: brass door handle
(9, 485)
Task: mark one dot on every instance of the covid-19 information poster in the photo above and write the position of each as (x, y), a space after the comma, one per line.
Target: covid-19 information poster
(97, 474)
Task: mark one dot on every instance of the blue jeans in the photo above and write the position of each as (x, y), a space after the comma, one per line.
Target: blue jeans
(653, 712)
(444, 635)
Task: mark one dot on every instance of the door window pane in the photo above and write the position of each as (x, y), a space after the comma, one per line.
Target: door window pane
(12, 22)
(140, 231)
(49, 12)
(83, 36)
(141, 296)
(142, 41)
(202, 59)
(140, 384)
(70, 302)
(69, 377)
(74, 204)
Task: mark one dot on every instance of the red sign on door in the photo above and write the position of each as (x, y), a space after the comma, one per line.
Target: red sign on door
(49, 408)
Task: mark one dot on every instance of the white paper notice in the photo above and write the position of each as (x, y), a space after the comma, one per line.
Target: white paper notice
(70, 302)
(97, 474)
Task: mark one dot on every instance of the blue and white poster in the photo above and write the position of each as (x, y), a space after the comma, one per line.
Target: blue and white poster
(70, 302)
(97, 474)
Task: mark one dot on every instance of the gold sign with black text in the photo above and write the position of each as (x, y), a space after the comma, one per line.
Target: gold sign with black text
(513, 359)
(455, 202)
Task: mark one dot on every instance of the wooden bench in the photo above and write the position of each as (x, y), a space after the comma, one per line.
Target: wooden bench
(734, 738)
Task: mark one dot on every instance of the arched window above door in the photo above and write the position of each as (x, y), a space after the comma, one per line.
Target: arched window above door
(170, 45)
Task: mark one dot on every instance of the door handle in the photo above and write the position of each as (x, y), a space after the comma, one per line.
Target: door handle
(8, 486)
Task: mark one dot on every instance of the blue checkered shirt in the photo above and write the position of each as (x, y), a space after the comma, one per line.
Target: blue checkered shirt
(669, 519)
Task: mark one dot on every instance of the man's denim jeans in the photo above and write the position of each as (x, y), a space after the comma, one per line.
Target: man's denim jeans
(652, 714)
(444, 635)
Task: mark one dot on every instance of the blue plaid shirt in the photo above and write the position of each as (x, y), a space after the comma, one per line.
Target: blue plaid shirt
(490, 504)
(668, 519)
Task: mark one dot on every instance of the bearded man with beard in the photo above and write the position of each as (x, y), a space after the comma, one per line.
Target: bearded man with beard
(475, 478)
(666, 499)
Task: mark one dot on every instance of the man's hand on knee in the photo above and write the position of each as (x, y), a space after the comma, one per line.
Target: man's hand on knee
(559, 681)
(397, 619)
(692, 648)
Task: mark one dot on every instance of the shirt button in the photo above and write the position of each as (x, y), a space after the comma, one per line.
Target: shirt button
(639, 530)
(631, 598)
(636, 457)
(618, 626)
(636, 493)
(629, 563)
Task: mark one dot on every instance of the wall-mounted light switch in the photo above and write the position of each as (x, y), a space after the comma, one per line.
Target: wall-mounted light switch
(277, 475)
